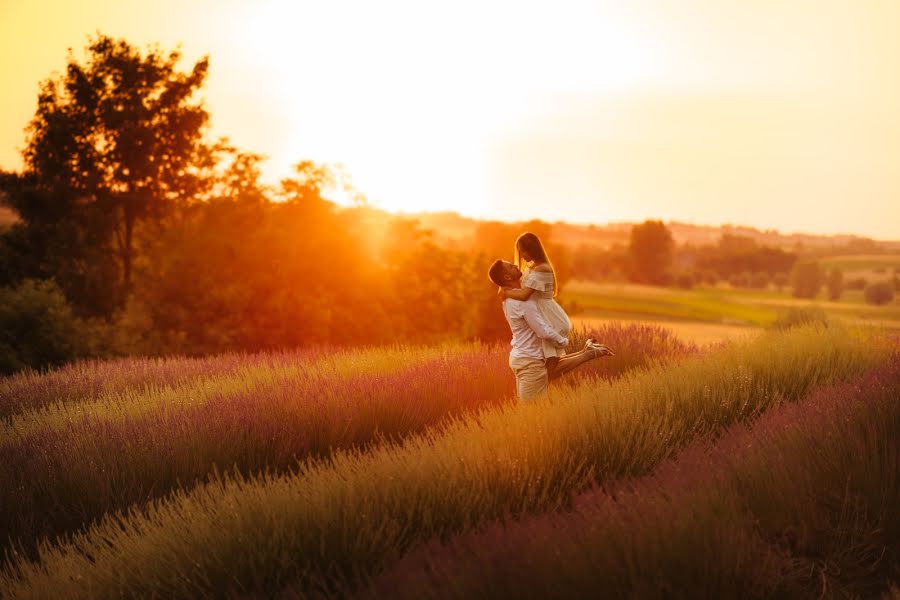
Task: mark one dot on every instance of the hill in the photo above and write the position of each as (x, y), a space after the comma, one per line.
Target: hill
(456, 228)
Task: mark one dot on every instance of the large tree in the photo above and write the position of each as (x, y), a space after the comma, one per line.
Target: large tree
(650, 249)
(116, 139)
(807, 278)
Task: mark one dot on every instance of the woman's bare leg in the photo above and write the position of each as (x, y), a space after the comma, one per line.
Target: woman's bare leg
(570, 362)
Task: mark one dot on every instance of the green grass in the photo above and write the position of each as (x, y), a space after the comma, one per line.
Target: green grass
(704, 305)
(862, 262)
(720, 305)
(346, 516)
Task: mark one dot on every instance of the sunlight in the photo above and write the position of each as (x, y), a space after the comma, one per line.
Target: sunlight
(417, 129)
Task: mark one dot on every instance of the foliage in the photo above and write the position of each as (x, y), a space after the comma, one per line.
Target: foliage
(759, 280)
(856, 283)
(880, 292)
(736, 254)
(115, 140)
(685, 280)
(780, 280)
(835, 284)
(38, 328)
(597, 263)
(650, 250)
(807, 279)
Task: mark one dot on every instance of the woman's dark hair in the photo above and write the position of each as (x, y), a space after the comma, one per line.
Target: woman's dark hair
(530, 244)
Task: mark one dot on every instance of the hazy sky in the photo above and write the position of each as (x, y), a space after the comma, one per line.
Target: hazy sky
(773, 113)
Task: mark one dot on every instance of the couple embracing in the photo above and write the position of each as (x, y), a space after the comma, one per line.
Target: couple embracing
(540, 326)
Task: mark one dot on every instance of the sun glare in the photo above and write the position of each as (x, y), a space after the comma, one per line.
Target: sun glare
(414, 113)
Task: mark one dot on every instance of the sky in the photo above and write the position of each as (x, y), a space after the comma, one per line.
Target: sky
(778, 114)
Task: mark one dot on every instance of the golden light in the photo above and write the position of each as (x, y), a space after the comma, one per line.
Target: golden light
(576, 110)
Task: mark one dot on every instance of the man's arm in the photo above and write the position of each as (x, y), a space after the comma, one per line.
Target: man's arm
(539, 325)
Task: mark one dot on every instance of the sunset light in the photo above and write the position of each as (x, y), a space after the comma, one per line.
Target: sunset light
(419, 300)
(578, 111)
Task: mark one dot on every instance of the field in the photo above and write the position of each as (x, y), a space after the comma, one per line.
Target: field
(768, 466)
(872, 267)
(712, 314)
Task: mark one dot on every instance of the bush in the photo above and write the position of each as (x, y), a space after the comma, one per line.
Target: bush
(835, 284)
(759, 280)
(742, 280)
(857, 283)
(796, 317)
(881, 292)
(780, 280)
(685, 280)
(38, 328)
(807, 279)
(708, 276)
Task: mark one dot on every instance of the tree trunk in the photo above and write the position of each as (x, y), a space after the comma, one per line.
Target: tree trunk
(127, 249)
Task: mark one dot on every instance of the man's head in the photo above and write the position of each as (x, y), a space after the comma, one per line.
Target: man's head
(504, 274)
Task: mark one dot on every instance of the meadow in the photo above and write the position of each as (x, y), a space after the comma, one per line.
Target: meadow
(380, 471)
(710, 314)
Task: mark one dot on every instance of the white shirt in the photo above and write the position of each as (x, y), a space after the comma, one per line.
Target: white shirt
(528, 327)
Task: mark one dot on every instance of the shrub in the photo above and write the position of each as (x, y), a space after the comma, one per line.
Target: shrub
(881, 292)
(38, 328)
(708, 276)
(759, 280)
(807, 279)
(685, 280)
(780, 280)
(835, 284)
(857, 283)
(741, 280)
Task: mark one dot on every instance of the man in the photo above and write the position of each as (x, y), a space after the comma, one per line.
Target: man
(526, 358)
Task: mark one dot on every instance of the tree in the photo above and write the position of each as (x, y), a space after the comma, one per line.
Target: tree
(115, 140)
(835, 284)
(650, 250)
(807, 279)
(880, 292)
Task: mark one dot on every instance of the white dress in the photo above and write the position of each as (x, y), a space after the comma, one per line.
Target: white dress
(542, 284)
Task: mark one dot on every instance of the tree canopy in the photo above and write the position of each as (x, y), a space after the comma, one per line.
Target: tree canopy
(651, 249)
(116, 139)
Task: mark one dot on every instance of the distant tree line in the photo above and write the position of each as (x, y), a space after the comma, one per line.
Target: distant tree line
(652, 257)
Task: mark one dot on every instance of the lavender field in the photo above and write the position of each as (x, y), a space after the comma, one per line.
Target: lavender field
(764, 468)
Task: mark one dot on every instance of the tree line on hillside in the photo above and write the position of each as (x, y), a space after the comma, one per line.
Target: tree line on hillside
(652, 257)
